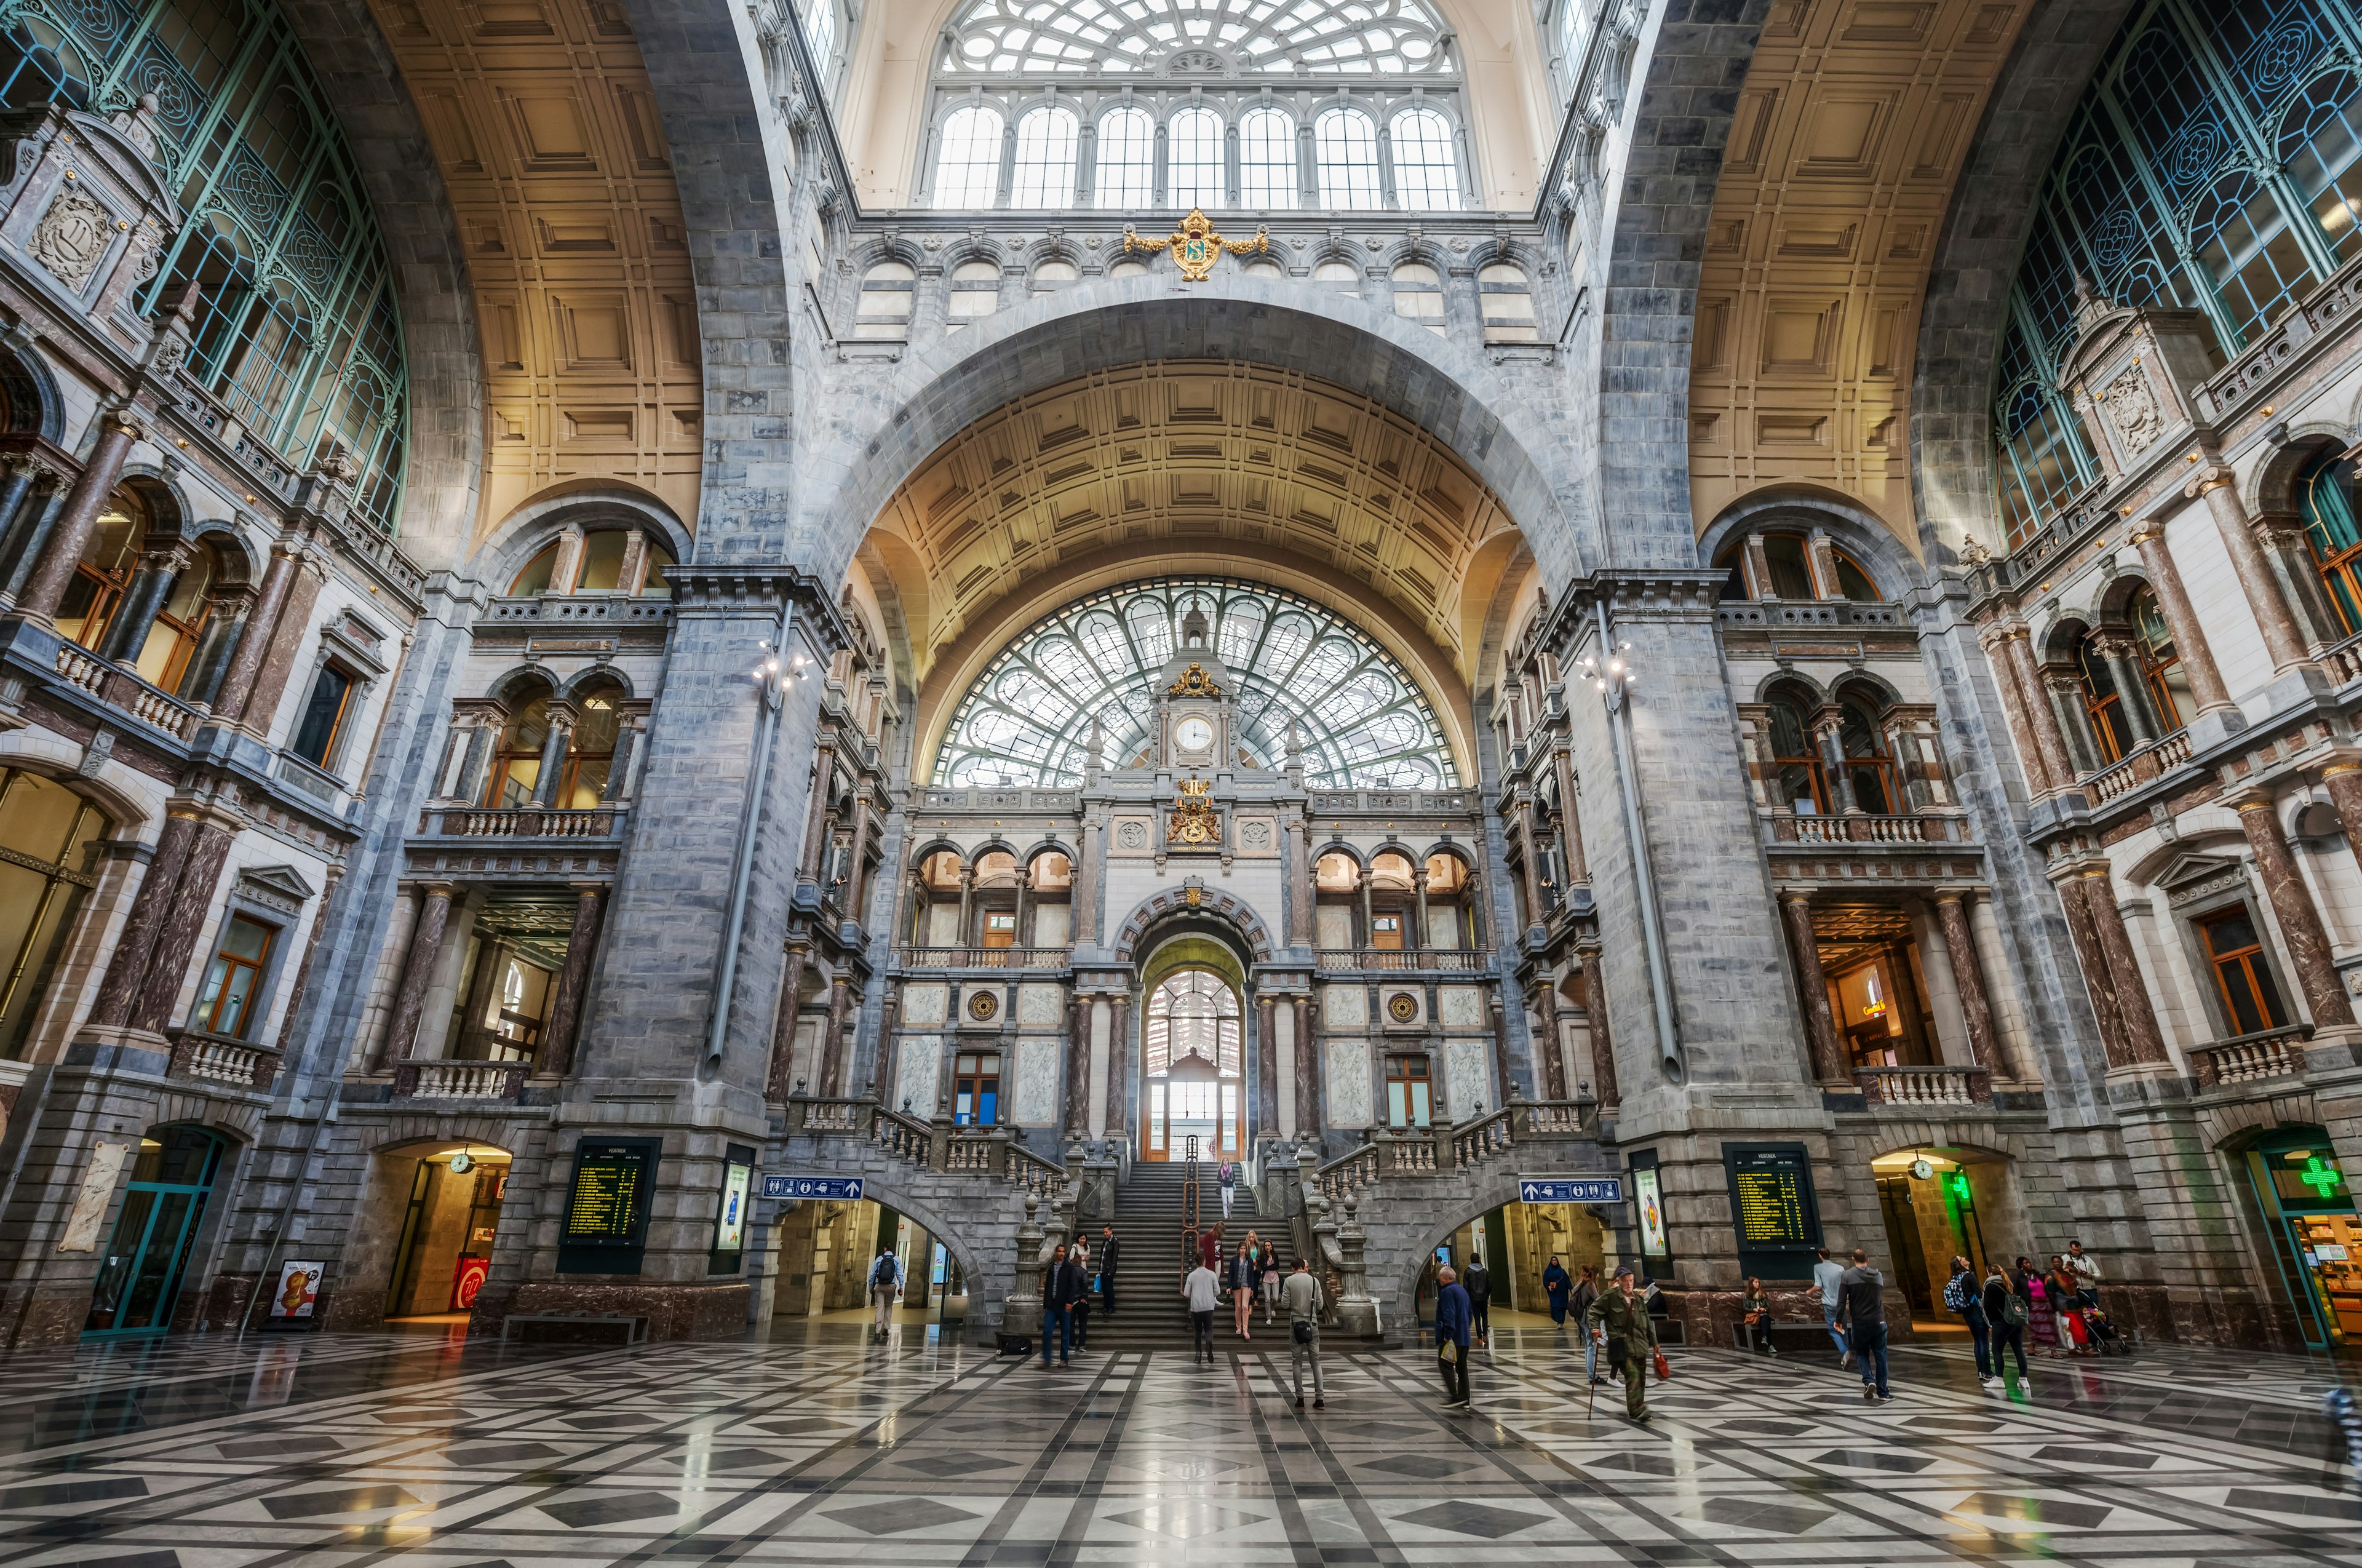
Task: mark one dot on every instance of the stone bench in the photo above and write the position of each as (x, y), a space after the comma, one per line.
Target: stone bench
(574, 1329)
(1790, 1336)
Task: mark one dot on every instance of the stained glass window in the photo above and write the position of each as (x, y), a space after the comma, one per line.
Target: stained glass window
(1360, 719)
(1025, 37)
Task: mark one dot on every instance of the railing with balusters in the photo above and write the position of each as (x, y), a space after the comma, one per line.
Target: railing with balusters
(520, 821)
(124, 689)
(220, 1059)
(2138, 767)
(986, 957)
(1423, 959)
(2251, 1059)
(1925, 1086)
(905, 1137)
(459, 1080)
(79, 668)
(1423, 1153)
(1782, 827)
(959, 1150)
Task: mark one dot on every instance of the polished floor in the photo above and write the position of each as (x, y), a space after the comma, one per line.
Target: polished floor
(815, 1447)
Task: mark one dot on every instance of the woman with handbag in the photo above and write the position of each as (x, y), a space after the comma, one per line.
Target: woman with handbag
(1757, 1306)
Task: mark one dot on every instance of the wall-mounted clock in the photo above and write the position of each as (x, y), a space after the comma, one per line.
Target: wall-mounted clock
(1193, 733)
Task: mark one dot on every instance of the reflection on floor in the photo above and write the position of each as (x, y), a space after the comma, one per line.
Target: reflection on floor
(346, 1450)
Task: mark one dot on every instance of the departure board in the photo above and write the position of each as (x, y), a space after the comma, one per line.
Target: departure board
(1773, 1208)
(608, 1201)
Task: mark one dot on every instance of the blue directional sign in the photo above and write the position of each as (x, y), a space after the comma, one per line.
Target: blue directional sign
(842, 1188)
(1570, 1189)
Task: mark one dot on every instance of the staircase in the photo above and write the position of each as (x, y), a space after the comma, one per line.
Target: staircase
(1151, 1313)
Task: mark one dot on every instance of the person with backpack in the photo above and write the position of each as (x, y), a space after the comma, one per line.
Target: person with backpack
(1862, 1292)
(1962, 1296)
(2005, 1316)
(885, 1285)
(1302, 1298)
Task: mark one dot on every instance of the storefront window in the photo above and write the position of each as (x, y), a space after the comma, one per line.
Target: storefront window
(2308, 1208)
(47, 835)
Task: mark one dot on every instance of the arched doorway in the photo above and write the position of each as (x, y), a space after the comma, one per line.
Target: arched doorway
(147, 1255)
(1192, 1077)
(444, 1250)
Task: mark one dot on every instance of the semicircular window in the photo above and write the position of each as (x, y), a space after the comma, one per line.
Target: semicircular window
(1362, 722)
(1028, 38)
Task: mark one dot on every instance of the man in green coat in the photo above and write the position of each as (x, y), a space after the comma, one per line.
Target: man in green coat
(1620, 1313)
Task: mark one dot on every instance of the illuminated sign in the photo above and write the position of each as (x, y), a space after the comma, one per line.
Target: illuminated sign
(1771, 1205)
(843, 1189)
(731, 1234)
(1653, 1212)
(1570, 1189)
(608, 1206)
(467, 1278)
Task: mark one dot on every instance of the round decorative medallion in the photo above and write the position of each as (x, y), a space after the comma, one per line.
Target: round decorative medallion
(1133, 834)
(982, 1006)
(1402, 1007)
(1255, 834)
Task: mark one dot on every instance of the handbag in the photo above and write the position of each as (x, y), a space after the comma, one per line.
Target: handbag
(1449, 1352)
(1664, 1368)
(1302, 1331)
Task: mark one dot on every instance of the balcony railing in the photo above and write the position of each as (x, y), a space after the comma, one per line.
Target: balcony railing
(2138, 767)
(1781, 827)
(520, 821)
(459, 1080)
(112, 683)
(986, 957)
(1423, 1153)
(1423, 959)
(2251, 1059)
(221, 1059)
(938, 1146)
(1808, 612)
(1925, 1086)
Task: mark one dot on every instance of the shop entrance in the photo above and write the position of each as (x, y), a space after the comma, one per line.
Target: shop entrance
(445, 1247)
(148, 1253)
(826, 1250)
(1934, 1203)
(2308, 1209)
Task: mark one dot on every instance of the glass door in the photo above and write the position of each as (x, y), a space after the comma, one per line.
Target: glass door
(140, 1277)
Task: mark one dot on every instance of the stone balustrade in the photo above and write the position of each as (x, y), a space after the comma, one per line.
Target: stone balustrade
(520, 821)
(1925, 1086)
(204, 1057)
(986, 957)
(2250, 1058)
(1853, 828)
(1421, 1152)
(81, 667)
(1425, 960)
(459, 1080)
(2138, 767)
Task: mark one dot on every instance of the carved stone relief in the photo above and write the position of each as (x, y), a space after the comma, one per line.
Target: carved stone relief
(71, 239)
(2132, 409)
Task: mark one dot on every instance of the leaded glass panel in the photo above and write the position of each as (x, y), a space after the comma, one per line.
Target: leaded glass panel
(1024, 38)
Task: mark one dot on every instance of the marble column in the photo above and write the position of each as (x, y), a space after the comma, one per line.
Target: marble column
(2343, 779)
(808, 866)
(1537, 912)
(1310, 1114)
(2058, 772)
(833, 1048)
(2206, 687)
(1823, 557)
(1595, 1017)
(278, 659)
(176, 940)
(1078, 1068)
(244, 660)
(2092, 960)
(1830, 1062)
(1118, 1064)
(780, 1082)
(2299, 922)
(1578, 868)
(152, 907)
(151, 585)
(61, 551)
(1301, 895)
(1967, 979)
(2282, 641)
(23, 469)
(556, 1057)
(2122, 656)
(1268, 1060)
(1552, 1045)
(25, 534)
(231, 611)
(1828, 739)
(417, 971)
(1085, 932)
(1994, 639)
(2066, 698)
(966, 938)
(1758, 561)
(548, 781)
(2144, 1042)
(1507, 1087)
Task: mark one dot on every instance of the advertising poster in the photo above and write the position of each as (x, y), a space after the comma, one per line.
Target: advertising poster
(299, 1288)
(467, 1278)
(1652, 1212)
(732, 1235)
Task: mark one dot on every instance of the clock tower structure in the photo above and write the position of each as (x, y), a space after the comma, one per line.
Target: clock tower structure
(1197, 712)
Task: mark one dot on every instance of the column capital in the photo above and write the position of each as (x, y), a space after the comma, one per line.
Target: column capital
(2253, 798)
(1954, 895)
(2211, 477)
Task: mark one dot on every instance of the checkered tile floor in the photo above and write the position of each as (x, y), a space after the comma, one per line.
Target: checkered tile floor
(353, 1450)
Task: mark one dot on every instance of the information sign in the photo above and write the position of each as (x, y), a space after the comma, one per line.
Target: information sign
(1773, 1208)
(1570, 1189)
(607, 1206)
(840, 1188)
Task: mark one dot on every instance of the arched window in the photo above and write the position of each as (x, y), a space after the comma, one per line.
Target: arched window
(1574, 33)
(163, 661)
(109, 557)
(2325, 491)
(975, 292)
(606, 564)
(1345, 150)
(1418, 294)
(819, 17)
(1190, 1057)
(1034, 38)
(1267, 176)
(1798, 782)
(1053, 275)
(48, 842)
(968, 170)
(889, 292)
(1508, 300)
(516, 765)
(1125, 178)
(1044, 177)
(1427, 170)
(590, 750)
(1870, 771)
(1341, 276)
(1193, 159)
(2240, 234)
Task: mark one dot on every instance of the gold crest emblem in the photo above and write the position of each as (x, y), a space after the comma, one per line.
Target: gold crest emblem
(1194, 682)
(1195, 246)
(1194, 824)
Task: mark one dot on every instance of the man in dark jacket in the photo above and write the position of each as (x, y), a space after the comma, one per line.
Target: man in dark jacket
(1962, 1294)
(2005, 1317)
(1062, 1286)
(1452, 1318)
(1479, 1284)
(1587, 1291)
(1621, 1316)
(1106, 1271)
(1861, 1304)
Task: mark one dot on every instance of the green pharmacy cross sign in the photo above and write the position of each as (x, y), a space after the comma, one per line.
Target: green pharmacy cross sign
(2322, 1177)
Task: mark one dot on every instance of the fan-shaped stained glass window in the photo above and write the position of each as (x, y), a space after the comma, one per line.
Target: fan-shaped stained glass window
(1193, 1013)
(1097, 37)
(1361, 721)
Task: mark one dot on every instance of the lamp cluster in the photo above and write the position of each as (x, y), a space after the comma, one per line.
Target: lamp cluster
(1615, 676)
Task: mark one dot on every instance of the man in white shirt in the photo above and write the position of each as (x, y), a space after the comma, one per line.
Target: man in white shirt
(885, 1285)
(1303, 1296)
(1826, 1274)
(1204, 1292)
(2086, 1270)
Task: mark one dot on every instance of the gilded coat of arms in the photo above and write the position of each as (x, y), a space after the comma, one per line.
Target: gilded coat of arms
(1195, 246)
(1194, 824)
(1194, 682)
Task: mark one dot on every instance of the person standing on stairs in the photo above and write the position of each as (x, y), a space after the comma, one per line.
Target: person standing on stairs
(1106, 1271)
(1272, 1282)
(1081, 1259)
(1229, 1180)
(1242, 1283)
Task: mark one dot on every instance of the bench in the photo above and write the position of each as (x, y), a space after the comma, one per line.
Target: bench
(1790, 1336)
(574, 1329)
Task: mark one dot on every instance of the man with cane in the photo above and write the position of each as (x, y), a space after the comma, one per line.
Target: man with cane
(1622, 1315)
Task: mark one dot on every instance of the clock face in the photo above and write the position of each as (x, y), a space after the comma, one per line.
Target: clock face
(1193, 733)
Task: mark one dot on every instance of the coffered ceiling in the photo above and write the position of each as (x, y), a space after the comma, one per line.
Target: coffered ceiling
(550, 145)
(1853, 124)
(1163, 458)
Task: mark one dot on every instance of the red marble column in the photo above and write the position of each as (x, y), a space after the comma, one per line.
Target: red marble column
(2343, 778)
(246, 661)
(1602, 1043)
(816, 816)
(1994, 639)
(176, 940)
(279, 654)
(2040, 716)
(2189, 637)
(780, 1082)
(2092, 960)
(1551, 1047)
(2144, 1042)
(1969, 978)
(118, 993)
(1308, 1110)
(1829, 1059)
(2282, 639)
(1268, 1060)
(1078, 1068)
(418, 972)
(61, 552)
(2300, 923)
(832, 1049)
(556, 1054)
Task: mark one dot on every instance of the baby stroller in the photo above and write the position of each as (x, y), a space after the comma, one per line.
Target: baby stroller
(2106, 1338)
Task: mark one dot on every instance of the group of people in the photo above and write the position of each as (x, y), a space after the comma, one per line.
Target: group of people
(1068, 1285)
(2057, 1307)
(1254, 1270)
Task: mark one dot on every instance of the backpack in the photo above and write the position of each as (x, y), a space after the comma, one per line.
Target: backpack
(2013, 1311)
(1956, 1292)
(881, 1274)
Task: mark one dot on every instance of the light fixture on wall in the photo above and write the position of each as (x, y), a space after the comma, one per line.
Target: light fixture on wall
(1614, 679)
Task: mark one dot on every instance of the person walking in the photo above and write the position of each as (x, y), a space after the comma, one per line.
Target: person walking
(2006, 1315)
(1203, 1291)
(1962, 1294)
(1863, 1303)
(1828, 1275)
(1242, 1283)
(885, 1285)
(1303, 1298)
(1479, 1286)
(1228, 1177)
(1755, 1308)
(1209, 1247)
(1062, 1286)
(1556, 1284)
(2041, 1323)
(1587, 1291)
(1451, 1319)
(1619, 1319)
(1272, 1282)
(1108, 1244)
(1081, 1259)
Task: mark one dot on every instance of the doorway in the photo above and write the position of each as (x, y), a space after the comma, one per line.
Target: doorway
(148, 1253)
(2308, 1209)
(827, 1251)
(1191, 1086)
(444, 1249)
(1935, 1203)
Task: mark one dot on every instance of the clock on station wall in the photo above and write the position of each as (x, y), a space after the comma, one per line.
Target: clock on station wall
(1193, 733)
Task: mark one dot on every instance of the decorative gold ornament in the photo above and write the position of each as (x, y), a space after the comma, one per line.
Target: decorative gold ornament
(1402, 1007)
(1197, 897)
(982, 1005)
(1195, 825)
(1195, 246)
(1194, 682)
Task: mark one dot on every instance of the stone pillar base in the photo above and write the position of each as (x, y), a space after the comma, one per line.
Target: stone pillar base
(716, 1311)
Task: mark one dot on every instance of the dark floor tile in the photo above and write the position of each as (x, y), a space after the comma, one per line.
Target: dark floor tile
(335, 1500)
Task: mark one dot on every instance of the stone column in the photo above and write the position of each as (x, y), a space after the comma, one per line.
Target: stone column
(966, 938)
(569, 565)
(23, 468)
(2122, 656)
(2282, 641)
(832, 1061)
(1078, 1068)
(1578, 869)
(244, 660)
(1267, 1060)
(1118, 1060)
(20, 545)
(2092, 960)
(556, 1057)
(1310, 1114)
(483, 729)
(816, 823)
(1537, 912)
(417, 971)
(176, 939)
(2143, 1042)
(2064, 699)
(61, 552)
(2051, 741)
(1500, 1012)
(1967, 978)
(2287, 546)
(151, 585)
(1302, 895)
(554, 747)
(278, 659)
(2300, 923)
(1085, 921)
(118, 993)
(1823, 557)
(2207, 686)
(618, 787)
(631, 575)
(1830, 1061)
(1994, 639)
(1369, 934)
(1828, 735)
(1553, 1044)
(857, 873)
(1759, 569)
(781, 1084)
(1595, 1016)
(232, 611)
(2343, 779)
